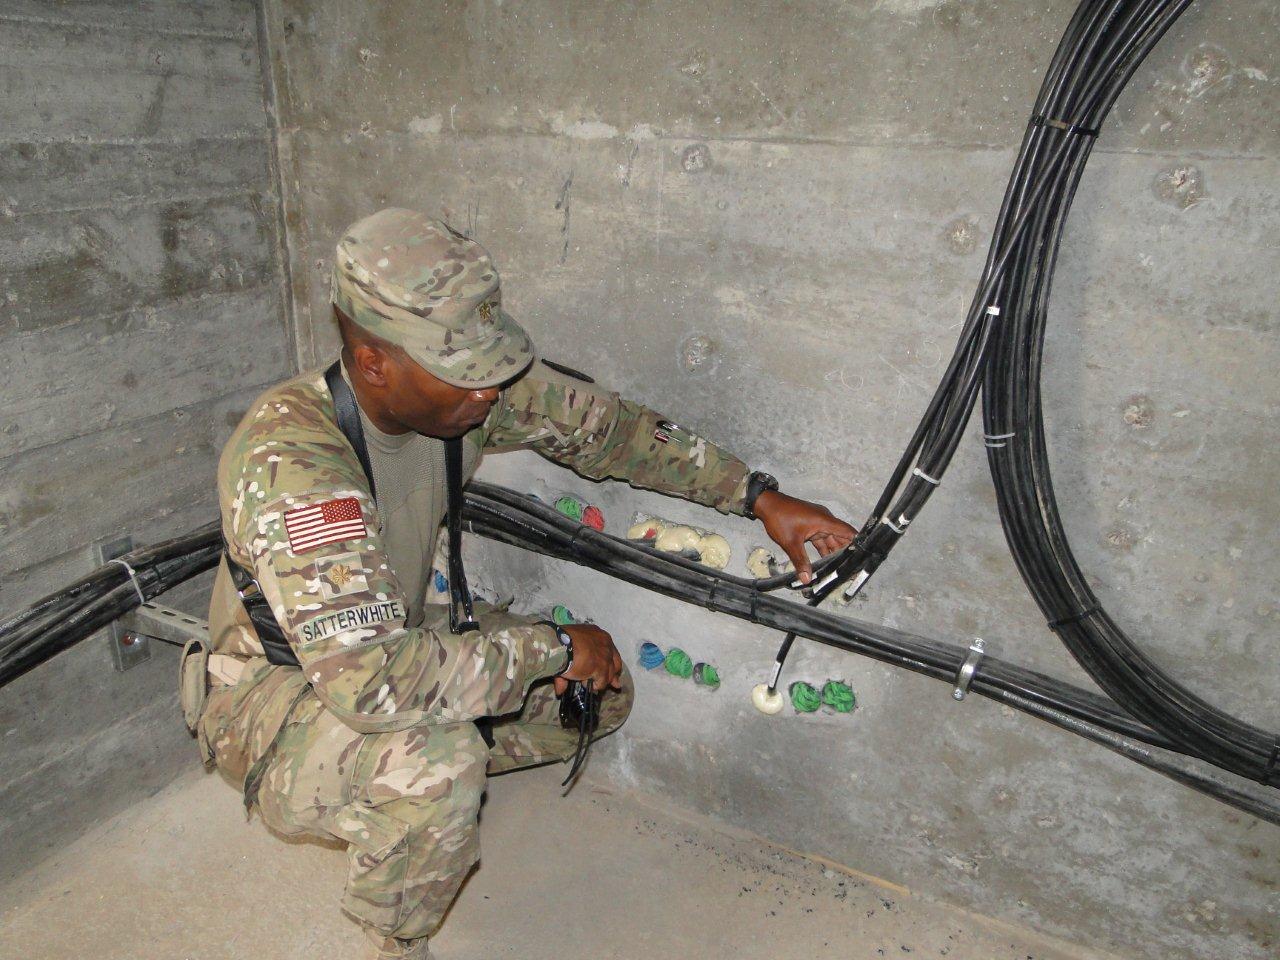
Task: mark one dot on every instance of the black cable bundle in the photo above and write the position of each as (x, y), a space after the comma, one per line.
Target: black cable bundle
(504, 515)
(63, 619)
(1101, 48)
(1028, 506)
(1104, 43)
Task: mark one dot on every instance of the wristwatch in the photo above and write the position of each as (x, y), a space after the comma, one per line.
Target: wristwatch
(757, 483)
(566, 641)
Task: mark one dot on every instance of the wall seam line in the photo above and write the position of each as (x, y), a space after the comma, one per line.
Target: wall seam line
(270, 107)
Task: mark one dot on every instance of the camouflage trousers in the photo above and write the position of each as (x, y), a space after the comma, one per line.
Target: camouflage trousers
(406, 803)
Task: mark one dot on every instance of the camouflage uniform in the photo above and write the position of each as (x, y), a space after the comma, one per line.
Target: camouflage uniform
(371, 741)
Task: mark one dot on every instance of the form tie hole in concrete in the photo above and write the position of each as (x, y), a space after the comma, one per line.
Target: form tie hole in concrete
(695, 158)
(961, 235)
(698, 354)
(1121, 538)
(1139, 412)
(1181, 186)
(1209, 71)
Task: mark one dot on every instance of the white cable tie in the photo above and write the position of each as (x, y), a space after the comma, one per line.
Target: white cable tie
(925, 477)
(133, 577)
(894, 526)
(988, 437)
(992, 446)
(993, 311)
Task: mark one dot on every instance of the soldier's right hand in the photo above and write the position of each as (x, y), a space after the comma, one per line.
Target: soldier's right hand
(594, 658)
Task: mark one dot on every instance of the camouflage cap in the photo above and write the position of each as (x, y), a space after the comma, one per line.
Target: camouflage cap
(418, 283)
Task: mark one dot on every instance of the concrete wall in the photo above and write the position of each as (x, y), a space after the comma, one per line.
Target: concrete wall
(141, 307)
(767, 220)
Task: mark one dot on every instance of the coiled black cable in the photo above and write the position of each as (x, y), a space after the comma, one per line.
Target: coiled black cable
(1102, 46)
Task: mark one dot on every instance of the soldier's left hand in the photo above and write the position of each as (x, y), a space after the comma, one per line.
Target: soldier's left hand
(791, 523)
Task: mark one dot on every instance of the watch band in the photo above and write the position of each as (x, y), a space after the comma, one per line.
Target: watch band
(757, 483)
(566, 641)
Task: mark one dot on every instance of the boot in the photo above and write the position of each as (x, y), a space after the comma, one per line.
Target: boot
(392, 948)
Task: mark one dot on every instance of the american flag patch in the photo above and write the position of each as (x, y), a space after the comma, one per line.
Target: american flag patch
(330, 522)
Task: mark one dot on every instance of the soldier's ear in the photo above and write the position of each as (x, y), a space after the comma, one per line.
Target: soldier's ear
(370, 364)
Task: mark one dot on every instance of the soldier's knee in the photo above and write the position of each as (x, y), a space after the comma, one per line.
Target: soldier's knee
(442, 765)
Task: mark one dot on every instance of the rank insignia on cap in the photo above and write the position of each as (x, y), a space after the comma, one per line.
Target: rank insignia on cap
(330, 522)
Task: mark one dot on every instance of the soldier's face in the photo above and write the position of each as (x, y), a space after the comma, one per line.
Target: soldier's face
(425, 403)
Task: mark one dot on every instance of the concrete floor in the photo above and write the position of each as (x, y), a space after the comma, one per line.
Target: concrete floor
(596, 875)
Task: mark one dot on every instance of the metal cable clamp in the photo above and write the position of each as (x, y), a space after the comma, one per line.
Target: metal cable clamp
(977, 650)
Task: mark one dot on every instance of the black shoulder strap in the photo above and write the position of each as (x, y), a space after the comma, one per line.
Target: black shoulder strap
(348, 416)
(274, 643)
(461, 612)
(459, 592)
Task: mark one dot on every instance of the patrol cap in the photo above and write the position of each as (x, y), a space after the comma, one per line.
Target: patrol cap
(418, 283)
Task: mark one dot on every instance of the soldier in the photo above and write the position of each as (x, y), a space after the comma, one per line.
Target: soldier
(347, 706)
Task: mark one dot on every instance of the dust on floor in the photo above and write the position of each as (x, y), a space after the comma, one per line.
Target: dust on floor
(595, 876)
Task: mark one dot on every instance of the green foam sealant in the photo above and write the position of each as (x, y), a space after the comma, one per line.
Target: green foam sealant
(678, 663)
(838, 695)
(570, 507)
(706, 675)
(804, 697)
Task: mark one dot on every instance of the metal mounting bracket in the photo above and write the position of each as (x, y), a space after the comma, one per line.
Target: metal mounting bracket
(127, 648)
(155, 621)
(977, 649)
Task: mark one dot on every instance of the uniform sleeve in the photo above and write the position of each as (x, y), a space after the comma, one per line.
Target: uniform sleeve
(598, 434)
(320, 562)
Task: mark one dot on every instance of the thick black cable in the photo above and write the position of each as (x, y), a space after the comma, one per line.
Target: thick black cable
(1103, 45)
(58, 621)
(1037, 538)
(506, 516)
(501, 514)
(1074, 710)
